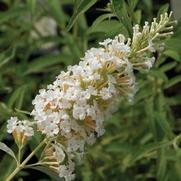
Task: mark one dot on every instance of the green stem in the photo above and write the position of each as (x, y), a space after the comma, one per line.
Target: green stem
(19, 155)
(22, 165)
(32, 165)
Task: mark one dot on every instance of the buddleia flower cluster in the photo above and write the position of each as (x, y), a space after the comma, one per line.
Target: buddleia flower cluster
(71, 111)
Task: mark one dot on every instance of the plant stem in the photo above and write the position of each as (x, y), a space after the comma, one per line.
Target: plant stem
(32, 165)
(19, 155)
(22, 165)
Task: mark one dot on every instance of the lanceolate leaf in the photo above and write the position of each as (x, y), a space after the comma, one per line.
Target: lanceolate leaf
(3, 130)
(168, 66)
(4, 110)
(173, 81)
(162, 166)
(49, 172)
(17, 97)
(8, 150)
(119, 7)
(7, 59)
(109, 28)
(82, 7)
(145, 149)
(163, 9)
(7, 166)
(44, 62)
(173, 54)
(102, 18)
(57, 12)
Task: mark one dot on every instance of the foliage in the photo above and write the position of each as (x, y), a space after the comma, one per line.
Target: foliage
(142, 139)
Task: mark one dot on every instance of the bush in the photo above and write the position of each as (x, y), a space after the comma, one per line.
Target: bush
(40, 38)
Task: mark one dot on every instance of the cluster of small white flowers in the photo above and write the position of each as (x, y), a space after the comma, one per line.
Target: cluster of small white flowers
(24, 126)
(143, 60)
(73, 108)
(142, 42)
(75, 105)
(66, 171)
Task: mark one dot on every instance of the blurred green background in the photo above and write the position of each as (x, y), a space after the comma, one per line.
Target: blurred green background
(39, 38)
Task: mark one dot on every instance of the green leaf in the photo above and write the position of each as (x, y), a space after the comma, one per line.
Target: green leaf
(32, 6)
(22, 111)
(7, 165)
(3, 131)
(143, 150)
(137, 16)
(161, 117)
(120, 148)
(40, 64)
(4, 110)
(48, 172)
(162, 166)
(163, 123)
(109, 28)
(7, 59)
(173, 54)
(132, 3)
(57, 12)
(12, 13)
(35, 141)
(174, 100)
(17, 97)
(83, 6)
(73, 46)
(119, 7)
(168, 66)
(163, 9)
(8, 150)
(82, 24)
(150, 116)
(21, 97)
(172, 82)
(173, 44)
(148, 5)
(102, 18)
